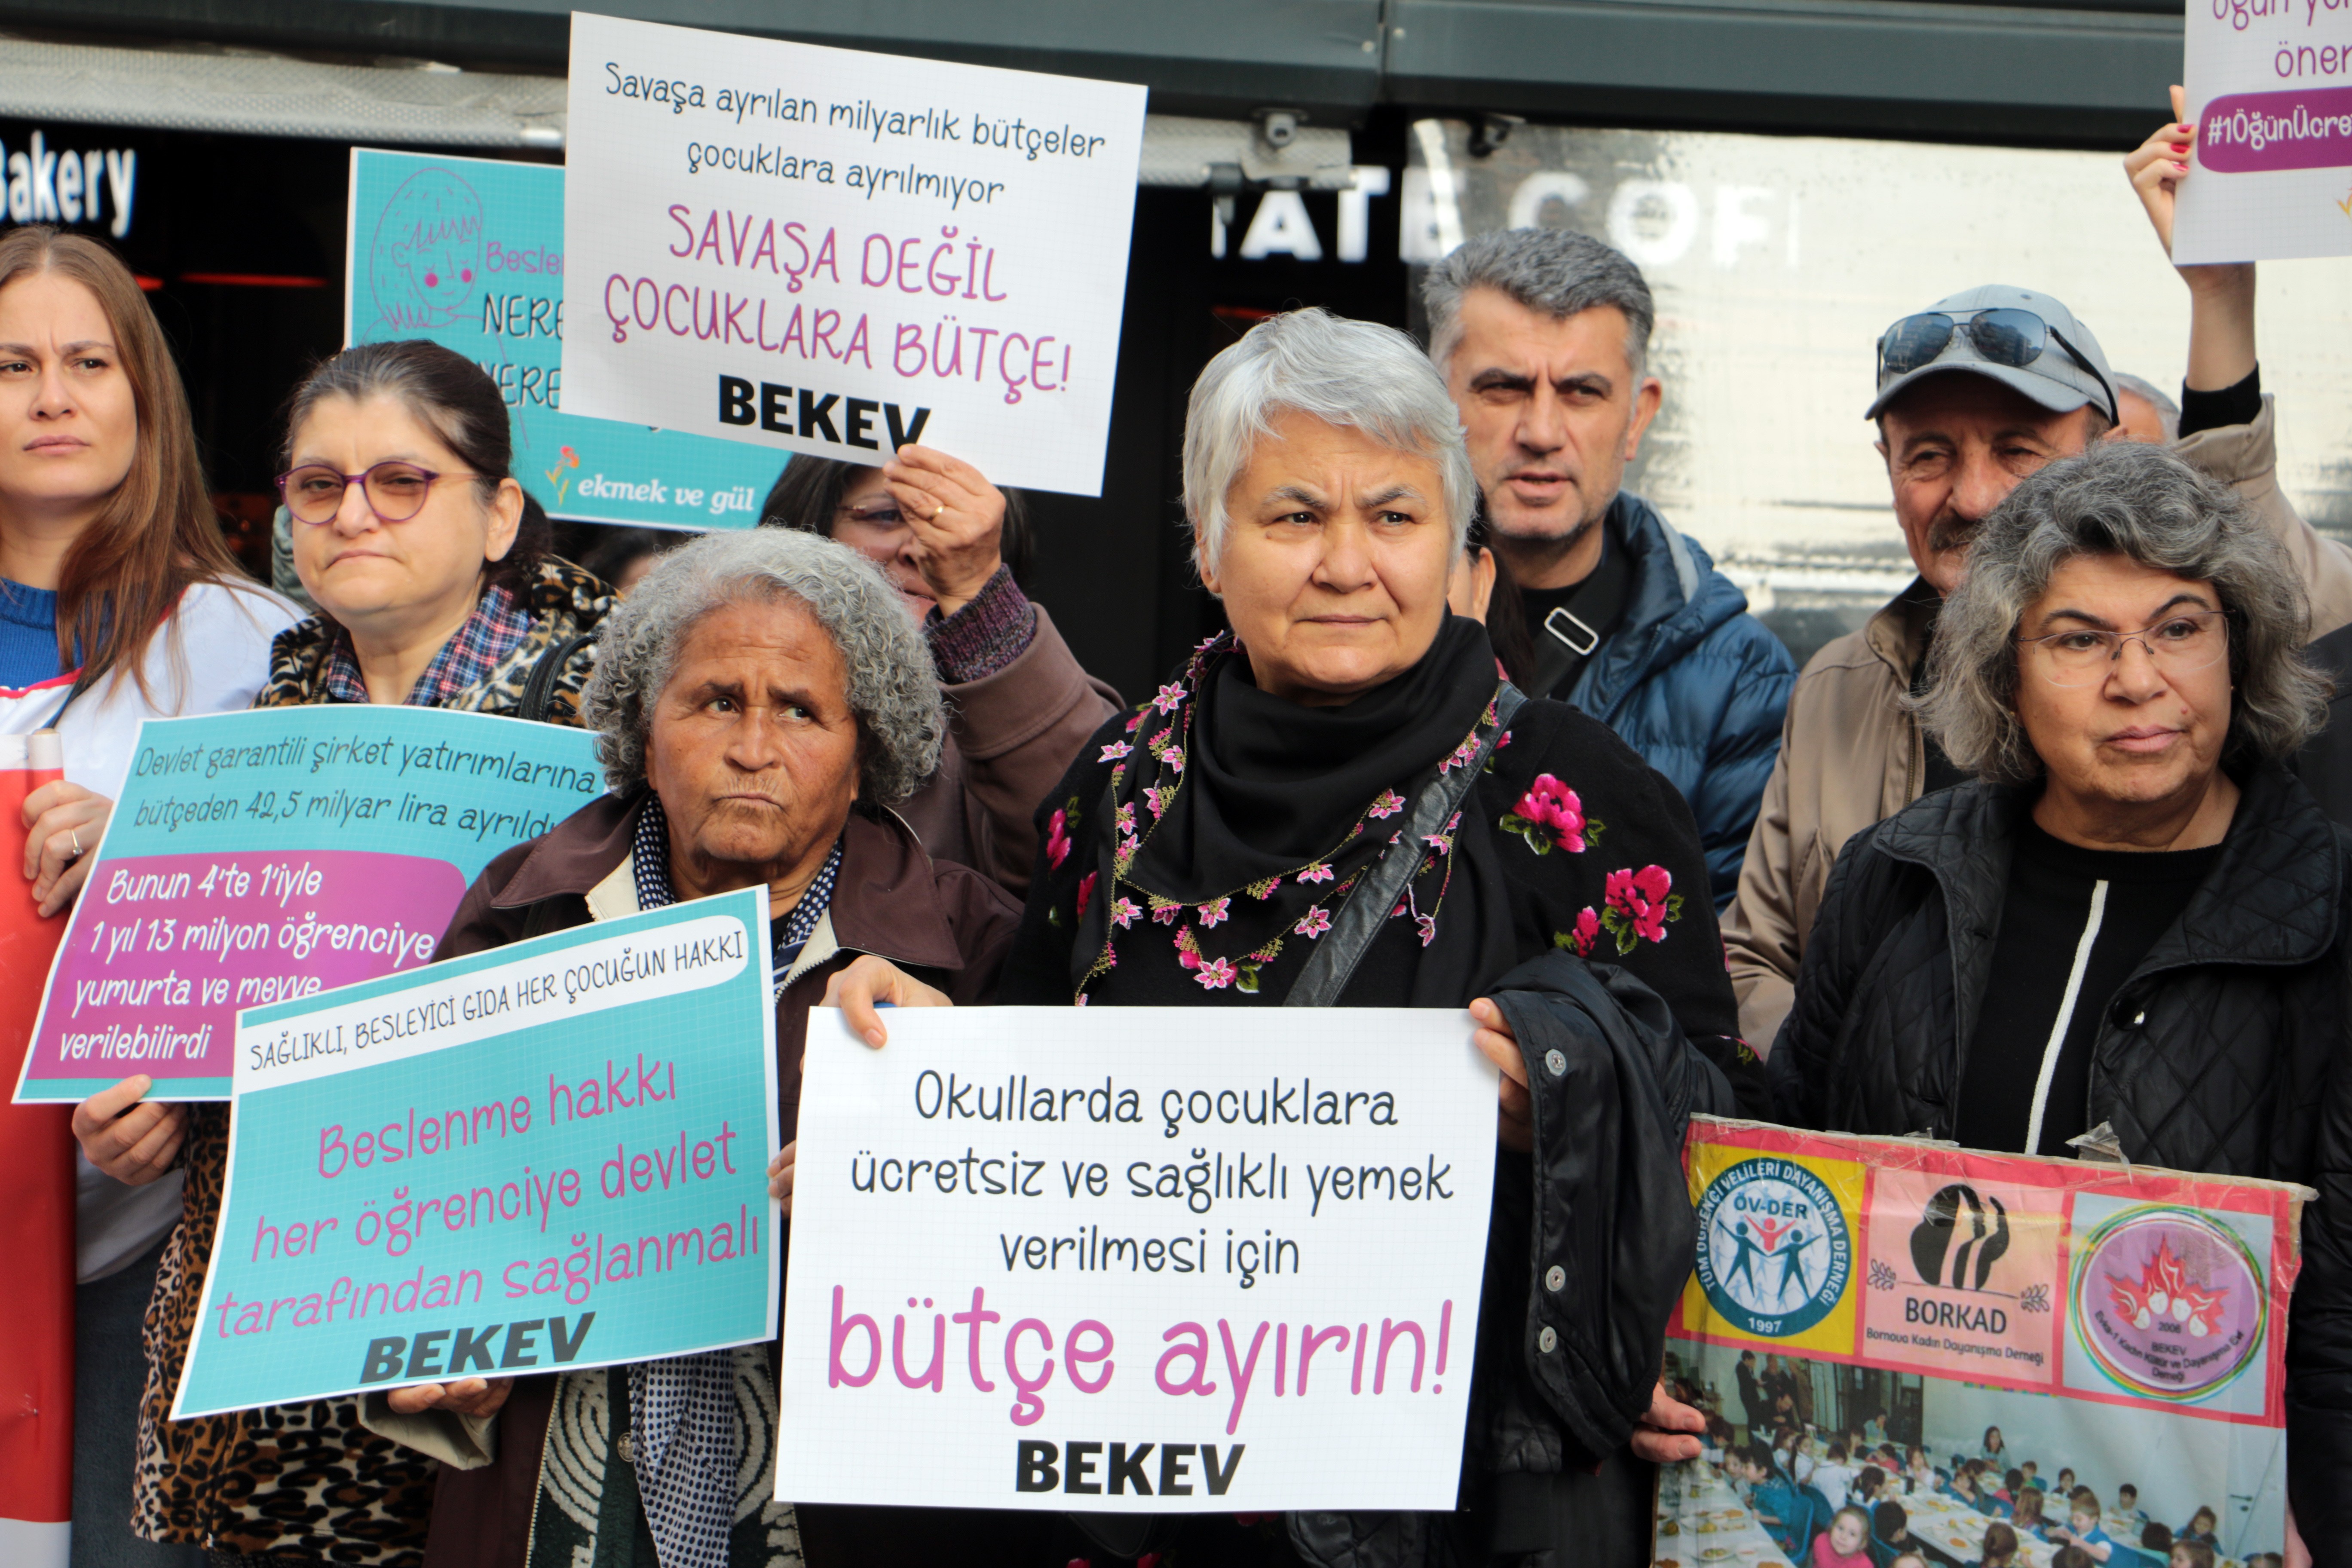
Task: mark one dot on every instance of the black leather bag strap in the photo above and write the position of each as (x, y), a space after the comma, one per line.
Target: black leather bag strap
(539, 691)
(1364, 910)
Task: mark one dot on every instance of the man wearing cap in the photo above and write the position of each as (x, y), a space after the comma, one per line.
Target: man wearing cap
(1974, 394)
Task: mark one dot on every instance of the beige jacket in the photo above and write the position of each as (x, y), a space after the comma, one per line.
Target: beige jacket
(1850, 755)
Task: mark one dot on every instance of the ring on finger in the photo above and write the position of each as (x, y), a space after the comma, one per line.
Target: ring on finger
(73, 835)
(938, 511)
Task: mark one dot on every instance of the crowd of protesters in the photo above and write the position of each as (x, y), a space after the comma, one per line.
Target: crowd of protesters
(1445, 611)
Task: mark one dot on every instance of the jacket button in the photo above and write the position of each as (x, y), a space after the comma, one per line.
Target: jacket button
(1555, 1063)
(2139, 1018)
(628, 1448)
(1554, 1278)
(1547, 1340)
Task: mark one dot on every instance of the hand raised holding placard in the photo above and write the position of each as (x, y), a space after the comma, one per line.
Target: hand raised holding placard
(858, 991)
(132, 1138)
(955, 519)
(63, 823)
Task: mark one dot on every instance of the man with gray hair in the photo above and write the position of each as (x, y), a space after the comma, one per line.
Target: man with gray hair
(1543, 338)
(2148, 415)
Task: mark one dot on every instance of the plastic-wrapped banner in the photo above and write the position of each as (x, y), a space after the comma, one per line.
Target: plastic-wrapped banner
(1906, 1347)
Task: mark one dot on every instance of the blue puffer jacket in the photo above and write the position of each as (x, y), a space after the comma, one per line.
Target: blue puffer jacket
(1692, 681)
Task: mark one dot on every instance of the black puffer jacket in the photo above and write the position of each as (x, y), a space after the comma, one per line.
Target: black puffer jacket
(2229, 1050)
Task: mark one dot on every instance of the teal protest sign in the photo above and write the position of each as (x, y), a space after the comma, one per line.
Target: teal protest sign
(258, 857)
(470, 253)
(552, 1155)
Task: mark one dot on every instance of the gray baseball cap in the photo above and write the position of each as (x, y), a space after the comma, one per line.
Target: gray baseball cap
(2054, 378)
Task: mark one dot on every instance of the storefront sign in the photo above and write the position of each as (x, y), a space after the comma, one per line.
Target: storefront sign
(470, 253)
(2125, 1326)
(551, 1156)
(1120, 1261)
(256, 858)
(826, 251)
(2269, 91)
(61, 179)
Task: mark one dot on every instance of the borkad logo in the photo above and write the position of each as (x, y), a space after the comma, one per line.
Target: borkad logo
(2170, 1302)
(1774, 1251)
(1980, 1225)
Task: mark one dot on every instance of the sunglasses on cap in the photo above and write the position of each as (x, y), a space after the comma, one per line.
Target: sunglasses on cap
(2003, 335)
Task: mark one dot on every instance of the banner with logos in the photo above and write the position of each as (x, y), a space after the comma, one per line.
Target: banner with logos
(2076, 1353)
(470, 253)
(1073, 1260)
(835, 252)
(260, 856)
(552, 1155)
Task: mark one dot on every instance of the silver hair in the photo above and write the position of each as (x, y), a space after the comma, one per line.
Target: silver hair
(1358, 375)
(2140, 502)
(2168, 412)
(1556, 271)
(893, 691)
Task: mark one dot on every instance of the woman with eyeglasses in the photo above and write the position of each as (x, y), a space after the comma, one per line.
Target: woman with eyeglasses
(118, 602)
(1019, 705)
(429, 568)
(2133, 929)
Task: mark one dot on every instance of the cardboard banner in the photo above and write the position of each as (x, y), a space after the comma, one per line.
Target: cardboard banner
(1142, 1259)
(553, 1155)
(2269, 87)
(1891, 1307)
(827, 251)
(258, 857)
(468, 252)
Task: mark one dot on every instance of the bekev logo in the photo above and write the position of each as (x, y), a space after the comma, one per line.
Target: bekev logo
(1085, 1470)
(775, 412)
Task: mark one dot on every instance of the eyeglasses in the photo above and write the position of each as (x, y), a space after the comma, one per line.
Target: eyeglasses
(2178, 645)
(395, 491)
(2003, 336)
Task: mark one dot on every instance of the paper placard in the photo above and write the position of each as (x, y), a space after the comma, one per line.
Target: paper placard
(1137, 1260)
(2125, 1324)
(828, 251)
(468, 252)
(2269, 87)
(254, 857)
(550, 1156)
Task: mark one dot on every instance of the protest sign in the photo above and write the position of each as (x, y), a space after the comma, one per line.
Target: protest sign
(1150, 1259)
(552, 1155)
(257, 857)
(2125, 1324)
(2269, 88)
(468, 252)
(832, 252)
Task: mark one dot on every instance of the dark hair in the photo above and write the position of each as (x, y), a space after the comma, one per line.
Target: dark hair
(1871, 1478)
(2000, 1542)
(1507, 625)
(808, 492)
(2158, 1535)
(2200, 1555)
(461, 404)
(157, 535)
(1756, 1454)
(1887, 1521)
(610, 551)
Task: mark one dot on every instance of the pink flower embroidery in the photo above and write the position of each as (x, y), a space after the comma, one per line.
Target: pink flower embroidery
(1125, 816)
(1057, 838)
(1428, 924)
(1319, 872)
(1115, 751)
(1082, 999)
(1087, 892)
(1174, 757)
(1128, 844)
(1389, 805)
(1125, 913)
(1215, 975)
(1213, 913)
(1641, 897)
(1170, 698)
(1440, 843)
(1314, 923)
(1553, 806)
(1461, 755)
(1165, 914)
(1157, 801)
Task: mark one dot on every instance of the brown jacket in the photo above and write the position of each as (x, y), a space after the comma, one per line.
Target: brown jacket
(1011, 736)
(946, 925)
(1850, 755)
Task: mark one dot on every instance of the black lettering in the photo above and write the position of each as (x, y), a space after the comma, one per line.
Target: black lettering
(382, 1359)
(775, 409)
(899, 436)
(519, 1343)
(1036, 1470)
(817, 415)
(857, 419)
(566, 1347)
(1080, 1458)
(473, 1348)
(425, 1354)
(734, 400)
(1220, 1479)
(1175, 1461)
(1126, 1469)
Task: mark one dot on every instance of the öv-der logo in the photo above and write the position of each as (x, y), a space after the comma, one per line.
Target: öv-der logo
(1774, 1251)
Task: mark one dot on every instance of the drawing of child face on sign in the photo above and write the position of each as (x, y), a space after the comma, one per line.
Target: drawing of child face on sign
(428, 252)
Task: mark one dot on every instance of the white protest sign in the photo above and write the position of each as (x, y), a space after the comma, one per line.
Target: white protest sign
(832, 252)
(2269, 85)
(1137, 1260)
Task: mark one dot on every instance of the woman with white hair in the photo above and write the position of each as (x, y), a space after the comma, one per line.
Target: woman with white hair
(758, 701)
(1340, 803)
(2134, 929)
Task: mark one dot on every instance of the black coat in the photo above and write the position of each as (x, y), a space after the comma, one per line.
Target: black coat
(2219, 1054)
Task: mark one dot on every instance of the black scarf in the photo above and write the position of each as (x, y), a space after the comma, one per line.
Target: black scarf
(1269, 784)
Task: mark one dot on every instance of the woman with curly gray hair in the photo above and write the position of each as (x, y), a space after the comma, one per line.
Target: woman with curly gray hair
(2133, 930)
(758, 702)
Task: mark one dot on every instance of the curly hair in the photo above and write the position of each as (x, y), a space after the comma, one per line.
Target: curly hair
(892, 689)
(2146, 505)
